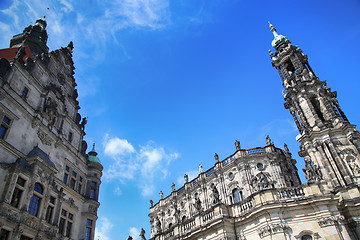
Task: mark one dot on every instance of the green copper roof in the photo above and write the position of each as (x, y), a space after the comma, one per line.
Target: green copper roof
(278, 39)
(94, 159)
(93, 155)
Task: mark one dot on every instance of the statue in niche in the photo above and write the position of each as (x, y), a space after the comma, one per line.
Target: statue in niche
(173, 187)
(260, 182)
(268, 140)
(216, 193)
(83, 147)
(197, 203)
(237, 145)
(177, 213)
(201, 168)
(186, 177)
(308, 170)
(158, 224)
(51, 109)
(142, 234)
(354, 167)
(317, 172)
(83, 123)
(216, 157)
(151, 203)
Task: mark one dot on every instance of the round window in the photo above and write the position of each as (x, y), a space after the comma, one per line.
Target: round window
(231, 176)
(260, 166)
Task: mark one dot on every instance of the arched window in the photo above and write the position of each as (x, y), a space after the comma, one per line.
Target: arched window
(237, 195)
(306, 237)
(36, 200)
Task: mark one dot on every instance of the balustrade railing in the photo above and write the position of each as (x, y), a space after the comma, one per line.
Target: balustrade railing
(287, 193)
(208, 216)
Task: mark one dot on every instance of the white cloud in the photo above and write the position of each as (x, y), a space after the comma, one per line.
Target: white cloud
(103, 228)
(134, 232)
(117, 147)
(142, 166)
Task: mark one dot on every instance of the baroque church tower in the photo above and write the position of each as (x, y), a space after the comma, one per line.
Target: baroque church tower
(329, 143)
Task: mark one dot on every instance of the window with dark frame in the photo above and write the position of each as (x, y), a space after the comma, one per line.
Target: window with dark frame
(25, 93)
(66, 174)
(73, 179)
(34, 205)
(23, 237)
(4, 126)
(18, 190)
(50, 210)
(65, 223)
(92, 190)
(4, 234)
(80, 184)
(70, 137)
(88, 229)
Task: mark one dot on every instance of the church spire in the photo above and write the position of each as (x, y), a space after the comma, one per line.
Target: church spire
(329, 143)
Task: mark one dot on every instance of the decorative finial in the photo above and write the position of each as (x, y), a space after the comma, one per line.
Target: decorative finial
(270, 25)
(46, 12)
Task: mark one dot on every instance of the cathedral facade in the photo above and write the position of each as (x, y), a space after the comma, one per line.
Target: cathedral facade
(50, 185)
(257, 194)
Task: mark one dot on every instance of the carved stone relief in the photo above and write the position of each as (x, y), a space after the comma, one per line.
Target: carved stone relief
(44, 138)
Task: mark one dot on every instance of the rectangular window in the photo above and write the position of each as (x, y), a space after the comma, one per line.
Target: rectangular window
(88, 229)
(18, 190)
(4, 126)
(25, 238)
(61, 226)
(49, 212)
(65, 223)
(68, 229)
(80, 184)
(92, 190)
(4, 234)
(66, 174)
(73, 180)
(87, 233)
(24, 93)
(50, 209)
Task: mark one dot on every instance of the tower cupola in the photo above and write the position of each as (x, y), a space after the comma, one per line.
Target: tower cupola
(34, 36)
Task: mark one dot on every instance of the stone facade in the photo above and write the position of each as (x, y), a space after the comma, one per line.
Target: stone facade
(50, 185)
(256, 193)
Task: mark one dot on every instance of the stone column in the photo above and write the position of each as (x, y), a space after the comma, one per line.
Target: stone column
(334, 165)
(330, 171)
(300, 128)
(343, 169)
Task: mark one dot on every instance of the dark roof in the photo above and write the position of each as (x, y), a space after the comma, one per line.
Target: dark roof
(37, 152)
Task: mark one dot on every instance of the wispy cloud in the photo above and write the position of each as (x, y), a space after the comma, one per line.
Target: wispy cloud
(134, 232)
(103, 228)
(141, 165)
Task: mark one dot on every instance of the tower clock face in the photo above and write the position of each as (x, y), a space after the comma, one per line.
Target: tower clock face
(260, 166)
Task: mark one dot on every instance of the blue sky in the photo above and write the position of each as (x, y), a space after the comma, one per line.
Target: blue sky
(166, 84)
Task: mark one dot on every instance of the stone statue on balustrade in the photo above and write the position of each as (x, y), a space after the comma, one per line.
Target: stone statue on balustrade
(216, 157)
(142, 234)
(237, 145)
(201, 168)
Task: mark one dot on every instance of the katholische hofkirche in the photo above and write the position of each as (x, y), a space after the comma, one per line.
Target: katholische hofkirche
(257, 194)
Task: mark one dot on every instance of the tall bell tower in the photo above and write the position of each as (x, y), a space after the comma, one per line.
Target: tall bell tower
(330, 145)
